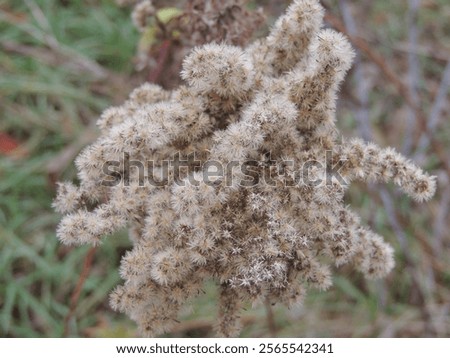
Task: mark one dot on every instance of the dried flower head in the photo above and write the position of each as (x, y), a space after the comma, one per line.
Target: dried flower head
(229, 21)
(141, 13)
(169, 33)
(259, 227)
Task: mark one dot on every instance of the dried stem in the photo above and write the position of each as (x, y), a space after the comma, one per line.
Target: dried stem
(78, 288)
(271, 324)
(362, 84)
(413, 73)
(440, 221)
(163, 54)
(435, 112)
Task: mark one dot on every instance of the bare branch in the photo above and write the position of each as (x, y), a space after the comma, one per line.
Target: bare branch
(435, 113)
(78, 288)
(362, 85)
(413, 73)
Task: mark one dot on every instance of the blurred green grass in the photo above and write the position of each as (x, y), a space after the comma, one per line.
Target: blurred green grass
(65, 62)
(47, 100)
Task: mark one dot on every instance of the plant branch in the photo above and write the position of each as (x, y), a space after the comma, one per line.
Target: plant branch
(270, 319)
(78, 288)
(413, 73)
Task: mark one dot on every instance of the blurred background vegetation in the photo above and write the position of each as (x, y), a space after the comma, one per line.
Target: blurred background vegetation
(62, 62)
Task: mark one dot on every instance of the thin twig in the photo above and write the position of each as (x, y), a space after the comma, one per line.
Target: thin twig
(413, 73)
(435, 112)
(438, 54)
(270, 319)
(163, 54)
(442, 218)
(78, 288)
(362, 85)
(441, 98)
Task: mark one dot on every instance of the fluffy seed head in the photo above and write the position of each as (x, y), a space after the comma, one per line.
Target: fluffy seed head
(250, 202)
(225, 70)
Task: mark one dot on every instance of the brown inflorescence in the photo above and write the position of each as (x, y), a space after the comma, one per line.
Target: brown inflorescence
(264, 226)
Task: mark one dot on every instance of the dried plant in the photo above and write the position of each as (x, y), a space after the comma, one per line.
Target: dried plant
(203, 21)
(260, 227)
(215, 20)
(169, 33)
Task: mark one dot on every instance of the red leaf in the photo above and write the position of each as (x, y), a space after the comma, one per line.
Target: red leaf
(7, 143)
